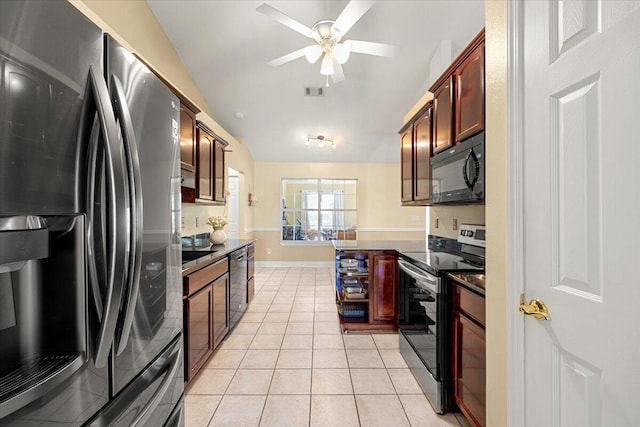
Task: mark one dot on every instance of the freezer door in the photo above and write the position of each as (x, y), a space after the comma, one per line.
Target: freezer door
(151, 313)
(46, 50)
(152, 397)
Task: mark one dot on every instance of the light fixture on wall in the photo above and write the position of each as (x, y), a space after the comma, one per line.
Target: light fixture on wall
(320, 140)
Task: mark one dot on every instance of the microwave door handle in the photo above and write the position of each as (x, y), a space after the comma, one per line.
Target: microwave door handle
(96, 100)
(474, 158)
(136, 211)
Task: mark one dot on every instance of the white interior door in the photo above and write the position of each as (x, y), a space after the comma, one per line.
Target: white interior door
(232, 204)
(580, 212)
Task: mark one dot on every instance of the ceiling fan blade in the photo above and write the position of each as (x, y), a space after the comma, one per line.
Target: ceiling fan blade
(370, 48)
(276, 15)
(350, 15)
(338, 72)
(287, 58)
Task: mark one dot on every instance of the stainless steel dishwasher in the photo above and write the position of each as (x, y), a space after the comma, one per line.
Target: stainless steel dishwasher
(238, 286)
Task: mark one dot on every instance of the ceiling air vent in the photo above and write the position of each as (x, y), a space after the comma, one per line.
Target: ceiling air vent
(313, 91)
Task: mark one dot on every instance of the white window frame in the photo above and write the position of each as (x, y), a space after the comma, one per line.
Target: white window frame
(293, 230)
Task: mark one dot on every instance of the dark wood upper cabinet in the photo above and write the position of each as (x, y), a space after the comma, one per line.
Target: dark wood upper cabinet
(406, 154)
(204, 171)
(422, 157)
(415, 153)
(383, 286)
(469, 100)
(188, 149)
(187, 142)
(443, 116)
(219, 191)
(210, 171)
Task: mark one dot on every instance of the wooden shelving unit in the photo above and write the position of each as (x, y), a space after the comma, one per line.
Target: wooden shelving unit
(360, 314)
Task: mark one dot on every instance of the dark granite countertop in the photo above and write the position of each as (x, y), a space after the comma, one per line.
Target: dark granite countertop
(196, 245)
(381, 245)
(473, 281)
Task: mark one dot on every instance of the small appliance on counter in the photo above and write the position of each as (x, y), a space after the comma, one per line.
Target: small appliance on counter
(426, 308)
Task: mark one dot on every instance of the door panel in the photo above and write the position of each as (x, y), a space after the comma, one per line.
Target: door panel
(155, 115)
(204, 169)
(46, 51)
(219, 170)
(443, 116)
(580, 188)
(422, 165)
(220, 309)
(406, 163)
(384, 279)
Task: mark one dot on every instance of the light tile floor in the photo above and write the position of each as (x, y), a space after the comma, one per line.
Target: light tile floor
(287, 364)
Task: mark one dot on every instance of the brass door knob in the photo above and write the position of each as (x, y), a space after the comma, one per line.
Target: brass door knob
(536, 308)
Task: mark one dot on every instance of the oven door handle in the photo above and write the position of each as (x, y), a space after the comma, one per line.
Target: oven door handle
(432, 283)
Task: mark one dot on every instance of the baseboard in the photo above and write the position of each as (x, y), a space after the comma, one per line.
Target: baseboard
(295, 264)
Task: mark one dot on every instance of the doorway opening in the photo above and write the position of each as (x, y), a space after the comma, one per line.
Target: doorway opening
(232, 204)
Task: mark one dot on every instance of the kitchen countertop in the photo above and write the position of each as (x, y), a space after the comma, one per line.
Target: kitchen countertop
(381, 245)
(473, 281)
(209, 252)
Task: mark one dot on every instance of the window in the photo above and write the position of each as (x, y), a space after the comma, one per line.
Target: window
(319, 209)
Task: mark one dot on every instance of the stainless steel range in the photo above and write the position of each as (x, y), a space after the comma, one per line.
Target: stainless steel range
(426, 308)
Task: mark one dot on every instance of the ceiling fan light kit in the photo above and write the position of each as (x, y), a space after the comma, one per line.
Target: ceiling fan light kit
(327, 35)
(320, 140)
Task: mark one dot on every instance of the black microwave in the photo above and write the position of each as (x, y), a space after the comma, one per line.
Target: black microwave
(457, 174)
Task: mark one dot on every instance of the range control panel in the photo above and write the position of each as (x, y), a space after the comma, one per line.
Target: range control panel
(472, 234)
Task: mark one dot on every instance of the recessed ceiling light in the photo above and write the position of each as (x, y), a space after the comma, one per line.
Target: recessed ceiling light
(238, 115)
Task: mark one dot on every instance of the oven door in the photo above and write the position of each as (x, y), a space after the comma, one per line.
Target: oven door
(422, 344)
(457, 175)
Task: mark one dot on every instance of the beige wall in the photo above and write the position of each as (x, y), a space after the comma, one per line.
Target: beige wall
(444, 216)
(133, 25)
(496, 210)
(380, 215)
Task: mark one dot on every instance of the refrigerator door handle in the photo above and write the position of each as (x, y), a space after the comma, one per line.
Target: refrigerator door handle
(136, 216)
(96, 100)
(155, 400)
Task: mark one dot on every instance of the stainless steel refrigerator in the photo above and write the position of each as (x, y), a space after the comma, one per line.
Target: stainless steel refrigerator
(90, 280)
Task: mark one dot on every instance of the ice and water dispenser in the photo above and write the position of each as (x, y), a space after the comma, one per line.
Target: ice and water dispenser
(43, 317)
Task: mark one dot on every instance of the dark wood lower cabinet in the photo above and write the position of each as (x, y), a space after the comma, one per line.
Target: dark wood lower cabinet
(220, 309)
(206, 313)
(469, 357)
(383, 292)
(198, 322)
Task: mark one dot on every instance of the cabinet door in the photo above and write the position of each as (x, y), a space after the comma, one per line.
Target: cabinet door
(204, 171)
(383, 283)
(198, 324)
(219, 192)
(220, 309)
(422, 157)
(443, 116)
(470, 368)
(406, 155)
(469, 102)
(187, 138)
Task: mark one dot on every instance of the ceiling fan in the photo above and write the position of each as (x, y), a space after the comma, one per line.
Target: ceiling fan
(327, 35)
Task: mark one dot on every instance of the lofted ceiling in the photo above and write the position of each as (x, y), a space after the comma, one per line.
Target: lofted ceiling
(225, 46)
